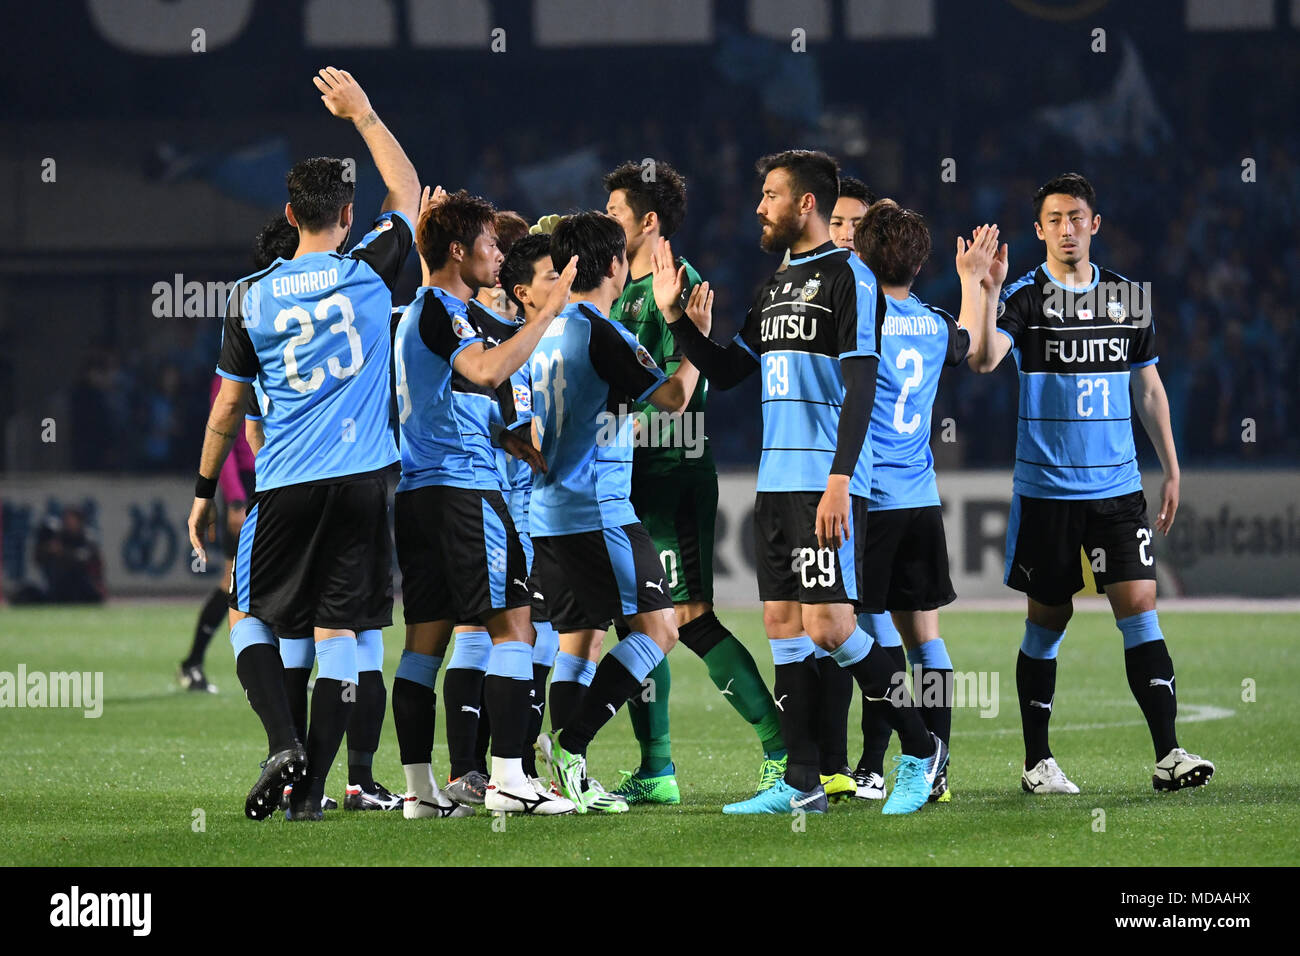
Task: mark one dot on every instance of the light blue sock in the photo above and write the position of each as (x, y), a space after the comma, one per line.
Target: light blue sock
(297, 652)
(856, 647)
(418, 668)
(1140, 629)
(820, 652)
(336, 658)
(638, 654)
(1040, 643)
(370, 650)
(249, 631)
(512, 659)
(881, 629)
(932, 655)
(471, 651)
(546, 645)
(571, 667)
(791, 650)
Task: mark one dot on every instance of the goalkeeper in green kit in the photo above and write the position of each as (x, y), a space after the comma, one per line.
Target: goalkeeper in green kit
(675, 494)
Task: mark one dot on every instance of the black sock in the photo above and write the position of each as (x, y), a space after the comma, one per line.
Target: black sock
(566, 698)
(295, 689)
(877, 677)
(876, 729)
(610, 688)
(797, 690)
(1144, 664)
(507, 699)
(210, 618)
(331, 704)
(1036, 687)
(462, 698)
(833, 715)
(262, 675)
(484, 735)
(536, 713)
(364, 727)
(415, 711)
(703, 634)
(934, 688)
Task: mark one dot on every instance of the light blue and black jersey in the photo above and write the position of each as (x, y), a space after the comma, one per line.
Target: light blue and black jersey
(515, 415)
(1074, 349)
(824, 307)
(586, 372)
(445, 419)
(312, 333)
(916, 342)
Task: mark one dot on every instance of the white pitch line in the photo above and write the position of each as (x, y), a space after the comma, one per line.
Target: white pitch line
(1187, 714)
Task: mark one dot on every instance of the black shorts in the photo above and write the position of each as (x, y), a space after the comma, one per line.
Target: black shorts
(540, 612)
(229, 541)
(317, 555)
(791, 567)
(1044, 536)
(459, 554)
(592, 577)
(906, 562)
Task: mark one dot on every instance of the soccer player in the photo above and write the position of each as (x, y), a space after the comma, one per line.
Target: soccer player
(314, 555)
(675, 494)
(1085, 351)
(837, 683)
(593, 558)
(457, 547)
(905, 578)
(854, 201)
(813, 330)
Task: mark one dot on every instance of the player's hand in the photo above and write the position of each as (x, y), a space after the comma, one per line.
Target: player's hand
(699, 309)
(833, 510)
(559, 296)
(546, 225)
(430, 200)
(669, 282)
(1168, 504)
(524, 451)
(202, 516)
(976, 256)
(342, 95)
(997, 273)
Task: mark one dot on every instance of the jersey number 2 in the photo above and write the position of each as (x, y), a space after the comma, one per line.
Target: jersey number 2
(307, 331)
(905, 357)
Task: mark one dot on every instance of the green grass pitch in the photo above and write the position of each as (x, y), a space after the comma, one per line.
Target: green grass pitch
(124, 788)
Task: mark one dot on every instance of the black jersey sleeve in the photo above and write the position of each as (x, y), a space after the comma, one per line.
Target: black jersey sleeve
(958, 339)
(442, 333)
(1013, 313)
(621, 361)
(385, 247)
(1144, 331)
(238, 358)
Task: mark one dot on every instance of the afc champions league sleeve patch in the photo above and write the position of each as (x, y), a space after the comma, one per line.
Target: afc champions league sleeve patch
(1002, 308)
(383, 224)
(644, 358)
(523, 398)
(460, 325)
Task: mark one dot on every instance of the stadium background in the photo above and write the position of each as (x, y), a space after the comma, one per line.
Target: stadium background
(135, 164)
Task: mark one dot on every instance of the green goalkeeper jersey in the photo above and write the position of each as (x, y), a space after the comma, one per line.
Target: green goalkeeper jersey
(664, 442)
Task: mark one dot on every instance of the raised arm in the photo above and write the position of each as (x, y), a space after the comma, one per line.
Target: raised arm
(344, 97)
(979, 263)
(1148, 393)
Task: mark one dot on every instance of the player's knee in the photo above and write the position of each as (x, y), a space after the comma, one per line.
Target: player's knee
(1054, 617)
(781, 619)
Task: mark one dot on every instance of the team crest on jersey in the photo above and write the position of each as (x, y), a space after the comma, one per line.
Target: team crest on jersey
(1002, 307)
(460, 325)
(523, 398)
(644, 358)
(635, 308)
(809, 290)
(1115, 311)
(1085, 315)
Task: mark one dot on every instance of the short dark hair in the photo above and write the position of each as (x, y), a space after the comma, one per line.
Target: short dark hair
(1067, 184)
(277, 240)
(317, 191)
(811, 171)
(894, 242)
(664, 195)
(856, 189)
(459, 218)
(595, 238)
(511, 227)
(521, 263)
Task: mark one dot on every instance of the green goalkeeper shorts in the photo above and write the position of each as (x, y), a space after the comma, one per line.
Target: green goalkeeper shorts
(679, 509)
